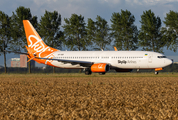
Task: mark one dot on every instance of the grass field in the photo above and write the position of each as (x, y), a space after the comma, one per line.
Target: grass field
(150, 74)
(132, 96)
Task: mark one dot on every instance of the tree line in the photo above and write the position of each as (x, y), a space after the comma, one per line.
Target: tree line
(78, 34)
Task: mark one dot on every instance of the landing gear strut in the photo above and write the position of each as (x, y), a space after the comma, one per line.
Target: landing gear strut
(87, 71)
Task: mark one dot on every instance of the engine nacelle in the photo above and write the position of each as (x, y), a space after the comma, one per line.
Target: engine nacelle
(123, 70)
(100, 67)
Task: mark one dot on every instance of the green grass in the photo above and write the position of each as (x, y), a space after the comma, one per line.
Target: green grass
(41, 75)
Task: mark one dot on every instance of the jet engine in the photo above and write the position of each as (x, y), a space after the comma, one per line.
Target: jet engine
(100, 68)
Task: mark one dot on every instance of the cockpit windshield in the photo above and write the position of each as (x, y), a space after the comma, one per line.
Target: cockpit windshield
(161, 56)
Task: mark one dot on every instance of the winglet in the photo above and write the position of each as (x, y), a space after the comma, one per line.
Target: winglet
(115, 48)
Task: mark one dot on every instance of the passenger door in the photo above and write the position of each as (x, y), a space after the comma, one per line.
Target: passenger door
(150, 56)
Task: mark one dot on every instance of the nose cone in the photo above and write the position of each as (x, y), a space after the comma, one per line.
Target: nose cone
(168, 62)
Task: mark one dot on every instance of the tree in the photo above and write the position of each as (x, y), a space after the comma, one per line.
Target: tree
(19, 38)
(123, 30)
(49, 29)
(150, 35)
(170, 32)
(5, 35)
(75, 33)
(90, 29)
(98, 32)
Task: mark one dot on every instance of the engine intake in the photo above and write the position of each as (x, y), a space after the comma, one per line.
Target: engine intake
(100, 67)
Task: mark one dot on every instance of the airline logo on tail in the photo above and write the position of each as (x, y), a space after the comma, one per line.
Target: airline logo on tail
(35, 43)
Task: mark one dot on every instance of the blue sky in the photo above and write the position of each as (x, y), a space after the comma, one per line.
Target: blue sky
(90, 9)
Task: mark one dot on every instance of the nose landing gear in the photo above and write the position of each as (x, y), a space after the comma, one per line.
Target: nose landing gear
(156, 72)
(157, 69)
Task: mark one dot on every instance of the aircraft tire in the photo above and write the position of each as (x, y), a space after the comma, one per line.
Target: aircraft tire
(156, 72)
(88, 72)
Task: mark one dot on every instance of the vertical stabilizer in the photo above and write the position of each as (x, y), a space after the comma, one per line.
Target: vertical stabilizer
(34, 41)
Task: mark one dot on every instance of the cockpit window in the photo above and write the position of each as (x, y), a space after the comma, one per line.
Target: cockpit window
(161, 56)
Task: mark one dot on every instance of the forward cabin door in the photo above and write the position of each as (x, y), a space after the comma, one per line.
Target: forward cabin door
(150, 57)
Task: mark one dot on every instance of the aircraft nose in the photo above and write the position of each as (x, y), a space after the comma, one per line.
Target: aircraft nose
(169, 61)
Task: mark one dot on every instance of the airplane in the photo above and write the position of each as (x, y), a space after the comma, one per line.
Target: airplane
(91, 61)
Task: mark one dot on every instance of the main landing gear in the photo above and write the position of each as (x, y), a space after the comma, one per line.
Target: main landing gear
(87, 71)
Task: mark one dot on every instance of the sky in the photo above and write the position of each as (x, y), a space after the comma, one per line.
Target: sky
(90, 9)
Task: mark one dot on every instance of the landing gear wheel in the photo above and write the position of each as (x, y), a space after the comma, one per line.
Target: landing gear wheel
(102, 73)
(88, 72)
(156, 72)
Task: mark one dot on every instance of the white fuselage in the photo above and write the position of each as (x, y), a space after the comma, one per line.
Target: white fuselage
(116, 59)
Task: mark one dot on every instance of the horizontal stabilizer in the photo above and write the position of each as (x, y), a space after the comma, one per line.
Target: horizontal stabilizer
(30, 54)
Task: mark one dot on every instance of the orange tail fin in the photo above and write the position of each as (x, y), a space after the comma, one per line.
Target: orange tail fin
(34, 41)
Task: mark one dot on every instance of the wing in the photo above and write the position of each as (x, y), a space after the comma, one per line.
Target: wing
(73, 62)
